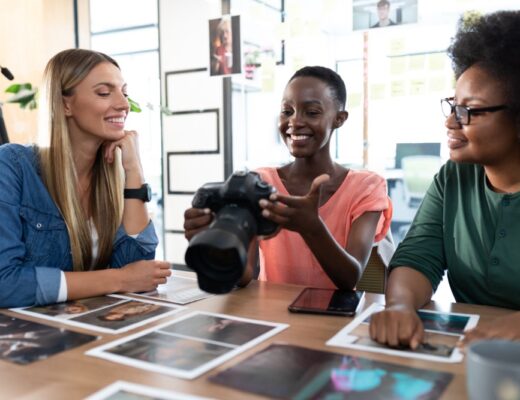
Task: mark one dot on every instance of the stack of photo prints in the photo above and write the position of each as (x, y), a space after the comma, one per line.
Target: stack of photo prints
(178, 290)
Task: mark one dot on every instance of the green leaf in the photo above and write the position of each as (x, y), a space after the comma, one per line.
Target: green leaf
(13, 88)
(23, 97)
(134, 106)
(17, 87)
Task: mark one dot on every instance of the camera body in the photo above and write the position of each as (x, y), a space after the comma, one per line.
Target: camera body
(241, 189)
(219, 254)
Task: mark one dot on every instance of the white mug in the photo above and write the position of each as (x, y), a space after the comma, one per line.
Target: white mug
(493, 370)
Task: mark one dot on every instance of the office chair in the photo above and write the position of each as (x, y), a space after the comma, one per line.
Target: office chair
(418, 172)
(373, 279)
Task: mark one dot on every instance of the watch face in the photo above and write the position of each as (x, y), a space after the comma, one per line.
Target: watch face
(148, 192)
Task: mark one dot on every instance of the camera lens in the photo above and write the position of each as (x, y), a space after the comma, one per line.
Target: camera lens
(222, 259)
(219, 254)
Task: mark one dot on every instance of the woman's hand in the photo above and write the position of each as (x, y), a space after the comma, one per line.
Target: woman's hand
(296, 213)
(196, 220)
(506, 327)
(397, 325)
(144, 275)
(129, 152)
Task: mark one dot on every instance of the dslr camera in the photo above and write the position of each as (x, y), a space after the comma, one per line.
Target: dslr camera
(219, 254)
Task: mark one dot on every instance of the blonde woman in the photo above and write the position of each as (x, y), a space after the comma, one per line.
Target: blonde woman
(73, 216)
(222, 59)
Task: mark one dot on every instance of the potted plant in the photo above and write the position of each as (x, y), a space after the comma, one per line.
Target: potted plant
(26, 96)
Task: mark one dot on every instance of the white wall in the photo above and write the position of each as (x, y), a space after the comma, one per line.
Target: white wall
(193, 135)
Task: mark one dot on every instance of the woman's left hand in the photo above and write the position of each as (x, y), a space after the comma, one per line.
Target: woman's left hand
(506, 327)
(129, 152)
(296, 213)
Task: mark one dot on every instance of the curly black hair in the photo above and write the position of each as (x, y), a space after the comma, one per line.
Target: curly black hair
(330, 77)
(493, 42)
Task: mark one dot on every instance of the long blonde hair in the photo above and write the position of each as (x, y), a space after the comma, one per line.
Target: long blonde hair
(62, 74)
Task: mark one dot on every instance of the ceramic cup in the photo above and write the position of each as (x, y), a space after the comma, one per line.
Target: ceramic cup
(493, 370)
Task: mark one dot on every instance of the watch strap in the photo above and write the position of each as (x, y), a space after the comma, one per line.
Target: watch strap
(143, 193)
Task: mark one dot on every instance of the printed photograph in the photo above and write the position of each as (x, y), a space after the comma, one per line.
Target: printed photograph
(189, 346)
(127, 395)
(444, 322)
(74, 308)
(110, 314)
(124, 314)
(178, 290)
(23, 342)
(383, 13)
(122, 390)
(170, 351)
(218, 329)
(434, 344)
(448, 323)
(301, 373)
(224, 46)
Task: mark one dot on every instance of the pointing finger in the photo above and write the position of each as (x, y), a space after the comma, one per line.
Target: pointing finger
(316, 184)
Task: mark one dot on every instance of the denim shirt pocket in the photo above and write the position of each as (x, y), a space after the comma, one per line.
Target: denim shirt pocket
(45, 237)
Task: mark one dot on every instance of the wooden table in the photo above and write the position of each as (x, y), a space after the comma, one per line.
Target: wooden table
(73, 375)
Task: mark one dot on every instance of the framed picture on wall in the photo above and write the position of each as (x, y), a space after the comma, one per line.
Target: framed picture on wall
(383, 13)
(224, 46)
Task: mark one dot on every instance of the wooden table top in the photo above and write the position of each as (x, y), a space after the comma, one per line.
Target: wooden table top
(74, 375)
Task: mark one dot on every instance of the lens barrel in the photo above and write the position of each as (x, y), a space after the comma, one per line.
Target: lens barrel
(219, 254)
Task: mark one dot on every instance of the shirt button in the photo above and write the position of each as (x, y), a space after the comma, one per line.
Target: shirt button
(506, 201)
(495, 261)
(502, 233)
(38, 225)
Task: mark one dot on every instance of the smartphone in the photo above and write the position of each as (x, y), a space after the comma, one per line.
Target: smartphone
(327, 301)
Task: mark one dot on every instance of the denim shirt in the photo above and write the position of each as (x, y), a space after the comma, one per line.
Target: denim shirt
(34, 242)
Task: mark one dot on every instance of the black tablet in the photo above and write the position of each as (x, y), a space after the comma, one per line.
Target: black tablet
(327, 301)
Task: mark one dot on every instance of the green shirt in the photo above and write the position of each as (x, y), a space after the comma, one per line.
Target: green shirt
(472, 232)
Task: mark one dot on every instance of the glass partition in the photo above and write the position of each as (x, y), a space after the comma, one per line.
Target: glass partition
(395, 78)
(128, 31)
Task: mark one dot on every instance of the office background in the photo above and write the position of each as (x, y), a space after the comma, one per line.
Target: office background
(395, 77)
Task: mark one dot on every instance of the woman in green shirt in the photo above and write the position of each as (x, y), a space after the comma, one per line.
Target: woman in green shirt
(469, 221)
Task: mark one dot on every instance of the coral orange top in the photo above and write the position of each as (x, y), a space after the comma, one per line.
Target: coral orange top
(286, 258)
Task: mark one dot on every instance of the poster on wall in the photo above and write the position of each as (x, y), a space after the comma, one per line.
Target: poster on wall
(224, 46)
(369, 14)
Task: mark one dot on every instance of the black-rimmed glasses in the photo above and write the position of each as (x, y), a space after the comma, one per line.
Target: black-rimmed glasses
(463, 113)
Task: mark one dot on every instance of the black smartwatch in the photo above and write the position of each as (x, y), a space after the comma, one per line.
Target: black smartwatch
(144, 193)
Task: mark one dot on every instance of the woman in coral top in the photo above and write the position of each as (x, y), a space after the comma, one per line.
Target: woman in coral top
(330, 215)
